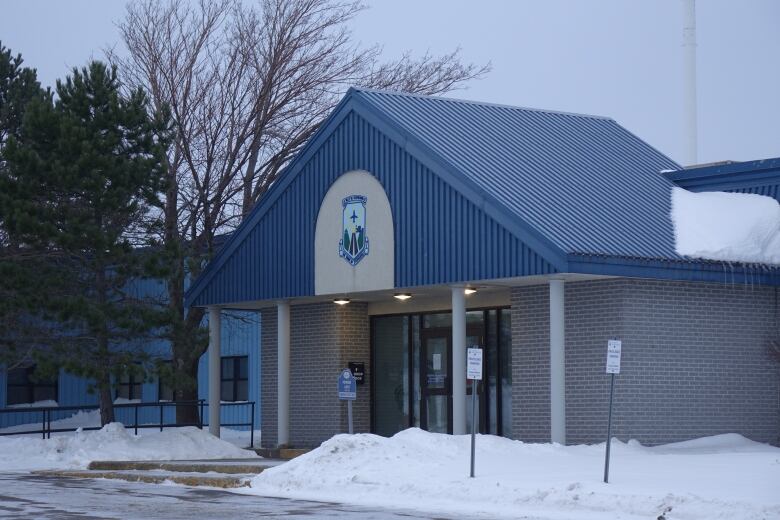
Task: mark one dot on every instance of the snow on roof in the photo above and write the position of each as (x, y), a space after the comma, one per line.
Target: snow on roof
(732, 227)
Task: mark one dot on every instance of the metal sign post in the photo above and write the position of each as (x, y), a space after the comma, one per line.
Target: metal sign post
(614, 347)
(347, 392)
(474, 372)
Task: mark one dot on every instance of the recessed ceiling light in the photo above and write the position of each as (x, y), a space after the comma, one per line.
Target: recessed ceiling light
(469, 290)
(341, 301)
(402, 296)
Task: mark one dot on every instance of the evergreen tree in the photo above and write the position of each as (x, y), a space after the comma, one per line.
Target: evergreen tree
(20, 282)
(81, 191)
(18, 86)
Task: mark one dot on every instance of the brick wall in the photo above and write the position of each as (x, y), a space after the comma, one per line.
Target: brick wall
(531, 363)
(324, 338)
(695, 361)
(268, 379)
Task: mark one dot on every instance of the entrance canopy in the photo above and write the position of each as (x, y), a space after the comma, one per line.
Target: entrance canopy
(444, 191)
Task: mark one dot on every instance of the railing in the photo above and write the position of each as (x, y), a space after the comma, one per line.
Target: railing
(46, 421)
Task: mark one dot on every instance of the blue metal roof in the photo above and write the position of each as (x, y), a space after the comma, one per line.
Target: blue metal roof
(584, 182)
(761, 177)
(554, 192)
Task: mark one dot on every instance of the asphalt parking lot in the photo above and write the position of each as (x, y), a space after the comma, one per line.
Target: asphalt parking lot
(43, 497)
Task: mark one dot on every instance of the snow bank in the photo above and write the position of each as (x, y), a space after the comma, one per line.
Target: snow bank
(713, 478)
(736, 227)
(112, 442)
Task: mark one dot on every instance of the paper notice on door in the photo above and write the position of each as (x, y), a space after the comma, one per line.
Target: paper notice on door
(437, 361)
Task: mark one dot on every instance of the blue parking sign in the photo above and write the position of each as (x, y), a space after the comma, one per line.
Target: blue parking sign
(347, 386)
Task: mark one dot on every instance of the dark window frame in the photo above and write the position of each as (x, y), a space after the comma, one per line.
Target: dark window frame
(30, 386)
(131, 384)
(235, 379)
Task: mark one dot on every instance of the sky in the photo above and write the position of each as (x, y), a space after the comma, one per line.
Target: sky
(616, 58)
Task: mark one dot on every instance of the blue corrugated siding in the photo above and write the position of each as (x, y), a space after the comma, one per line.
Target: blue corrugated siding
(768, 191)
(73, 391)
(240, 336)
(440, 236)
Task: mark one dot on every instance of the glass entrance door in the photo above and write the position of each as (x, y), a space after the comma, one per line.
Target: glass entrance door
(436, 381)
(412, 367)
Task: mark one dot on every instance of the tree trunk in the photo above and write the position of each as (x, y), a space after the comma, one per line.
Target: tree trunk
(104, 382)
(106, 402)
(189, 414)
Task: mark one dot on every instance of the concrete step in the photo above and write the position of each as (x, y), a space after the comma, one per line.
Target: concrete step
(228, 466)
(158, 477)
(280, 453)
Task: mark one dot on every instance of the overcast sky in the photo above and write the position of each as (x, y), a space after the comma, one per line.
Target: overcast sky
(619, 58)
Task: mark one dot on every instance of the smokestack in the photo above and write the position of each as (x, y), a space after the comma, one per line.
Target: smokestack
(689, 78)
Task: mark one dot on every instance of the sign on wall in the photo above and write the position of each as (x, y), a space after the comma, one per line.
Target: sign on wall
(358, 371)
(353, 245)
(348, 256)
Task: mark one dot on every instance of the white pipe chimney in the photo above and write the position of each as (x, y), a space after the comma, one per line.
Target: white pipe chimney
(689, 74)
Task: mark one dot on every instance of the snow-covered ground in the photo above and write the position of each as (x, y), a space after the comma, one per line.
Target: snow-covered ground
(721, 477)
(112, 442)
(734, 227)
(91, 419)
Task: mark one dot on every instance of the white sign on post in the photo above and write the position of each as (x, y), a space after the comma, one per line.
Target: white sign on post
(613, 356)
(474, 364)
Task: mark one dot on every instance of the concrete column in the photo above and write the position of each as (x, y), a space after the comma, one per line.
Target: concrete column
(283, 373)
(215, 369)
(458, 361)
(557, 363)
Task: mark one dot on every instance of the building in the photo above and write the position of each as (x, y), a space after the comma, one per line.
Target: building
(239, 380)
(411, 227)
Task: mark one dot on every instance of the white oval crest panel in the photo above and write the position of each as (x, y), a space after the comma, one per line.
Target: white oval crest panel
(353, 245)
(354, 238)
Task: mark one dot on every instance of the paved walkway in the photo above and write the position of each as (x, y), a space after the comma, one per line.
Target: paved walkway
(25, 496)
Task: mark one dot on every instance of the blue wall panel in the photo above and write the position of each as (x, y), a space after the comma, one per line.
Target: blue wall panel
(240, 336)
(440, 236)
(771, 190)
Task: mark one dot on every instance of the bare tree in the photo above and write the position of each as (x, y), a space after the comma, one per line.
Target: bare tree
(247, 85)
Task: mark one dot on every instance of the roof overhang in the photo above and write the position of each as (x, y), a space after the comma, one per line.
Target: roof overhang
(685, 270)
(734, 176)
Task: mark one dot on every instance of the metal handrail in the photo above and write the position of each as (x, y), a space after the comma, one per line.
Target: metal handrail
(46, 411)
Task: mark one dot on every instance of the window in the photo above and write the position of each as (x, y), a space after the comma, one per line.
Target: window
(25, 388)
(129, 387)
(235, 378)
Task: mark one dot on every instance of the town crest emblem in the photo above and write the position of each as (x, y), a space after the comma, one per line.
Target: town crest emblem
(353, 245)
